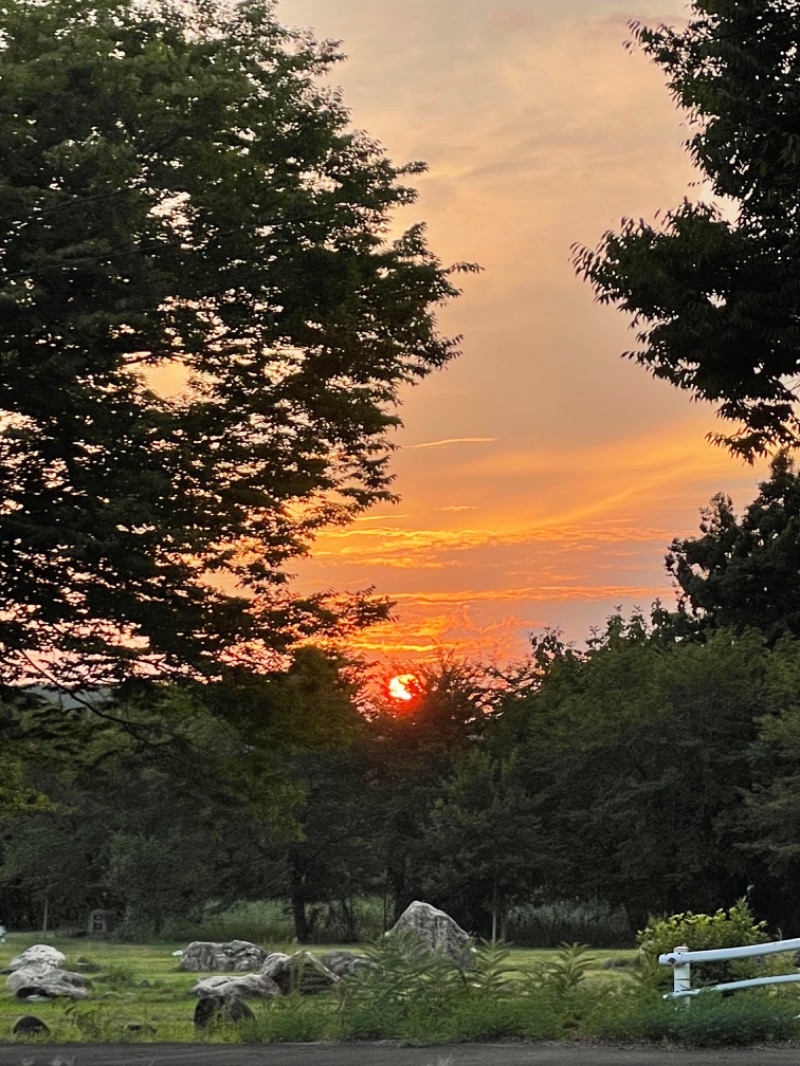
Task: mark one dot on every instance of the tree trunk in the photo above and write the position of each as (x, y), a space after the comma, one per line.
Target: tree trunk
(397, 878)
(494, 911)
(298, 899)
(348, 921)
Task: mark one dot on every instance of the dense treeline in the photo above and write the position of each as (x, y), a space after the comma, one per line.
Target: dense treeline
(651, 772)
(654, 770)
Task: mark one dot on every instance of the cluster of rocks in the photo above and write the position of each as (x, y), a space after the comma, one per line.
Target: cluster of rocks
(248, 971)
(301, 973)
(39, 973)
(221, 997)
(238, 956)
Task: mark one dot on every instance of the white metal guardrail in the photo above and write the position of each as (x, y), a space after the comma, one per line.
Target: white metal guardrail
(681, 959)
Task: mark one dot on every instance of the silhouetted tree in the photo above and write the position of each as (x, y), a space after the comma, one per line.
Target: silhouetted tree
(745, 572)
(714, 288)
(204, 330)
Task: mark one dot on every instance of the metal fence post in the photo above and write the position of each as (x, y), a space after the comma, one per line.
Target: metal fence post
(682, 975)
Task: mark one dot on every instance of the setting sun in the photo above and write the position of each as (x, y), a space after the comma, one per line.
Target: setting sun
(404, 687)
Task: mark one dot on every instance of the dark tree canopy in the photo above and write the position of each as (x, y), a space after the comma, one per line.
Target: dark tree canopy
(714, 289)
(204, 324)
(745, 572)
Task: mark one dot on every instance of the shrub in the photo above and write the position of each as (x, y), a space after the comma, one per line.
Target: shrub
(747, 1018)
(561, 983)
(118, 974)
(269, 922)
(414, 995)
(735, 927)
(709, 1021)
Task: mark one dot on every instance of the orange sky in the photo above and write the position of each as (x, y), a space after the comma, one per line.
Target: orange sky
(542, 477)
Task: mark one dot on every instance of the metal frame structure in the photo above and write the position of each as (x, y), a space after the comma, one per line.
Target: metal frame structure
(681, 959)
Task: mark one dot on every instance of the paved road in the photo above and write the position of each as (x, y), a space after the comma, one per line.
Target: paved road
(382, 1054)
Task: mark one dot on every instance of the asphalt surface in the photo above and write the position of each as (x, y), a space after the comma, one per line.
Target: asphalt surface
(383, 1054)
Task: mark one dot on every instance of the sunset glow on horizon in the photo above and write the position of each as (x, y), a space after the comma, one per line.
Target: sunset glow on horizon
(403, 687)
(541, 476)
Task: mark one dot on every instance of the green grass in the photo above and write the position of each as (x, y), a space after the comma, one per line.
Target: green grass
(139, 993)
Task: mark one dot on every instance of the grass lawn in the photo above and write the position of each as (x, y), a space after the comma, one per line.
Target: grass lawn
(139, 994)
(141, 985)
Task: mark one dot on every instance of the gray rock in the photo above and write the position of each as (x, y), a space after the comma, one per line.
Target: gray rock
(345, 963)
(249, 986)
(236, 955)
(219, 1010)
(436, 931)
(301, 972)
(32, 970)
(37, 980)
(30, 1025)
(39, 993)
(38, 955)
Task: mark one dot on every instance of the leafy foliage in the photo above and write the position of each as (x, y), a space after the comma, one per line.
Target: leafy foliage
(480, 837)
(713, 289)
(149, 987)
(405, 979)
(565, 973)
(632, 757)
(741, 1021)
(545, 925)
(734, 927)
(204, 331)
(649, 774)
(746, 572)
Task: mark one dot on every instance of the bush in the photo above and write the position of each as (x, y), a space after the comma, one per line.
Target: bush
(357, 922)
(708, 1021)
(487, 1019)
(415, 995)
(748, 1018)
(735, 927)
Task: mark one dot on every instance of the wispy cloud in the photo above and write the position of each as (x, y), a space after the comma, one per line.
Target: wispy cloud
(453, 440)
(533, 594)
(543, 477)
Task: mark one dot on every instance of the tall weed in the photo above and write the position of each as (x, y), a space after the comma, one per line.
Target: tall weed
(260, 922)
(561, 983)
(269, 922)
(547, 925)
(405, 989)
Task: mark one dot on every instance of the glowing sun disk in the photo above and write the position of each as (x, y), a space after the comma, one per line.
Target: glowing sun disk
(403, 687)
